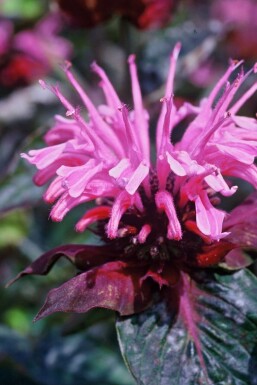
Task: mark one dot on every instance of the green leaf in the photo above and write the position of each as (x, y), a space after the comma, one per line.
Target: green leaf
(13, 228)
(211, 340)
(22, 8)
(18, 191)
(18, 319)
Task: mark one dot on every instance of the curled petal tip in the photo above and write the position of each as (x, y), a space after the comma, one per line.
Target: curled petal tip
(42, 83)
(176, 50)
(56, 218)
(94, 66)
(123, 107)
(66, 65)
(78, 228)
(131, 58)
(70, 113)
(234, 63)
(227, 114)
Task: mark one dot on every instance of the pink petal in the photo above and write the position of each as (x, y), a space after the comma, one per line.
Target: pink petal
(120, 206)
(137, 178)
(117, 170)
(164, 202)
(93, 215)
(141, 123)
(143, 233)
(175, 166)
(44, 157)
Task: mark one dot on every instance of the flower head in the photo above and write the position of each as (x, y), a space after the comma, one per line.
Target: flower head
(156, 217)
(108, 158)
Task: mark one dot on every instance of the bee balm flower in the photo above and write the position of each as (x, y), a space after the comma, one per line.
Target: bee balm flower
(158, 218)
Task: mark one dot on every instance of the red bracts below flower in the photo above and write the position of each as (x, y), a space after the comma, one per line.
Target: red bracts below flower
(128, 279)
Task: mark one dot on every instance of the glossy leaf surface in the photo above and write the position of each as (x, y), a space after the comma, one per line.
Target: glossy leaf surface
(211, 340)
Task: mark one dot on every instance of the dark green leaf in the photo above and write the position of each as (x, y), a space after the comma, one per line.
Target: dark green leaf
(18, 191)
(22, 8)
(15, 357)
(78, 359)
(211, 339)
(13, 228)
(236, 259)
(242, 223)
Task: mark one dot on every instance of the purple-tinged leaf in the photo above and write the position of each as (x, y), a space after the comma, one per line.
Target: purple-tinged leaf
(84, 257)
(214, 253)
(242, 224)
(236, 259)
(209, 339)
(162, 274)
(114, 285)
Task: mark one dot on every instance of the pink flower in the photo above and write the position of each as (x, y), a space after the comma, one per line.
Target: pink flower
(239, 17)
(159, 220)
(32, 53)
(6, 30)
(42, 43)
(107, 158)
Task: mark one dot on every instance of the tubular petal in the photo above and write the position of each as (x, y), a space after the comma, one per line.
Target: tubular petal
(93, 215)
(144, 232)
(141, 121)
(121, 204)
(164, 202)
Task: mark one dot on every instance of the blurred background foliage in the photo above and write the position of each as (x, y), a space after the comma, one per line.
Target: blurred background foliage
(82, 349)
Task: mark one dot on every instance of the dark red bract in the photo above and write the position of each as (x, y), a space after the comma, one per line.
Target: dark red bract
(142, 13)
(126, 277)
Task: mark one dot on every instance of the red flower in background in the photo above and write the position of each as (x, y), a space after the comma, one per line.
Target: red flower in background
(142, 13)
(32, 53)
(240, 18)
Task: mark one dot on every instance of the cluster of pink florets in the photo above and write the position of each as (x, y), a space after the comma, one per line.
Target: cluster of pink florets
(108, 156)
